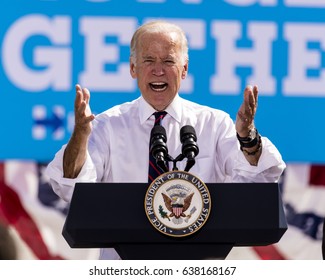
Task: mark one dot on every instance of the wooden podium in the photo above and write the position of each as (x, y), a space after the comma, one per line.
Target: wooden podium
(103, 215)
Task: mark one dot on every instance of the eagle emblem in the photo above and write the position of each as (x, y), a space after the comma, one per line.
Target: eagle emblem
(177, 202)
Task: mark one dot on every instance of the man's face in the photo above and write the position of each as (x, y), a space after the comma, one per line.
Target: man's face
(159, 68)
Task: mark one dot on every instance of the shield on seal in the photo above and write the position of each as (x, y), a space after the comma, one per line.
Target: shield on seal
(177, 210)
(178, 201)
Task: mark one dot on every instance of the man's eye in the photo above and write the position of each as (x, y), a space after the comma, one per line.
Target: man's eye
(169, 62)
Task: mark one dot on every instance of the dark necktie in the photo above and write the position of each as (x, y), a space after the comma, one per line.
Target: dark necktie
(154, 169)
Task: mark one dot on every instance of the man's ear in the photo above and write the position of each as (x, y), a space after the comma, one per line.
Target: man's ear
(185, 70)
(132, 69)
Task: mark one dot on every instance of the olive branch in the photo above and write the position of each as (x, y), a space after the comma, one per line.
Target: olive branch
(162, 213)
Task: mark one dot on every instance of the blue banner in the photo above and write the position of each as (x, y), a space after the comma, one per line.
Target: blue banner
(49, 46)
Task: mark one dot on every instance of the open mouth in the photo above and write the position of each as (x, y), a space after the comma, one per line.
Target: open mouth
(159, 86)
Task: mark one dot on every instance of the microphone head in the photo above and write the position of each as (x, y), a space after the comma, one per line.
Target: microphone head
(187, 131)
(188, 139)
(158, 130)
(158, 146)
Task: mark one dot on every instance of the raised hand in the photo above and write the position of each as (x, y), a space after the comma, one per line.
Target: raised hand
(76, 150)
(82, 111)
(246, 113)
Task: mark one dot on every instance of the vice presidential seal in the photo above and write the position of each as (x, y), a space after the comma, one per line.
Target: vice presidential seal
(177, 203)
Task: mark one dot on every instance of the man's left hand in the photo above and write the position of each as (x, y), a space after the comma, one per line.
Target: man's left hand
(247, 111)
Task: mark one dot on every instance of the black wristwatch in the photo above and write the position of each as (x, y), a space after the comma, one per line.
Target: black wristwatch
(249, 141)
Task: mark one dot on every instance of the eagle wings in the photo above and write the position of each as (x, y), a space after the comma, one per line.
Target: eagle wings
(168, 204)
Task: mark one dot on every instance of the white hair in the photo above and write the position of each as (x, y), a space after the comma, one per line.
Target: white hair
(159, 26)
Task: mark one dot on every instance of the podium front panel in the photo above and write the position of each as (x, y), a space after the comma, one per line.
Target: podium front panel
(111, 214)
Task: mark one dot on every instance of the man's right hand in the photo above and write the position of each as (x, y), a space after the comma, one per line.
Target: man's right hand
(82, 112)
(76, 151)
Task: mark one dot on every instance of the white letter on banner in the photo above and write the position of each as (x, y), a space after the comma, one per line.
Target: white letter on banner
(252, 2)
(301, 59)
(196, 36)
(228, 56)
(305, 3)
(56, 60)
(98, 53)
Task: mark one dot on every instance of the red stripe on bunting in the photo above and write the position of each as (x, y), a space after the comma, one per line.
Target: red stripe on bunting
(269, 252)
(317, 176)
(12, 213)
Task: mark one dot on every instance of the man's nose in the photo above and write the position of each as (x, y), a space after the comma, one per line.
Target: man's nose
(158, 69)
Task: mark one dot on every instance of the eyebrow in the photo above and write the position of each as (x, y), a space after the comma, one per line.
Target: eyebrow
(153, 57)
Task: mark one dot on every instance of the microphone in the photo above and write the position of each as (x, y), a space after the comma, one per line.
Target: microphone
(158, 146)
(189, 147)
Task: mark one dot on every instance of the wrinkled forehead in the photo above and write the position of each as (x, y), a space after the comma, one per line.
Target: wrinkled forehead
(159, 41)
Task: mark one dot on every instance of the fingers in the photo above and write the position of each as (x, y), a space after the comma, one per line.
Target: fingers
(83, 113)
(250, 101)
(78, 98)
(246, 112)
(251, 96)
(255, 92)
(86, 95)
(82, 94)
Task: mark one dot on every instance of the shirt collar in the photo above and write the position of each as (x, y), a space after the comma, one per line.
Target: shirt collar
(174, 109)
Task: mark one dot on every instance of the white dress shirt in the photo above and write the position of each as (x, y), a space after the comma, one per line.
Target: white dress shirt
(119, 145)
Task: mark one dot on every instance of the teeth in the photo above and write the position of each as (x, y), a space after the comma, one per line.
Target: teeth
(156, 89)
(158, 86)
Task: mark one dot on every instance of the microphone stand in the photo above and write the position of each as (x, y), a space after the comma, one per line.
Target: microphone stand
(180, 157)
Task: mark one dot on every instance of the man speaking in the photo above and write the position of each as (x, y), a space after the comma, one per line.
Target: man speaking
(114, 146)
